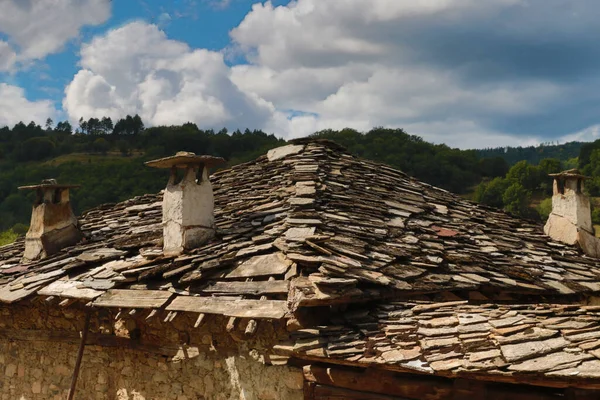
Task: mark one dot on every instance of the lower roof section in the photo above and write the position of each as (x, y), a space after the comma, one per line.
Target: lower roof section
(549, 344)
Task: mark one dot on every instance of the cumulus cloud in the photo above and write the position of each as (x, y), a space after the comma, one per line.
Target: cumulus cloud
(137, 69)
(469, 73)
(465, 72)
(14, 107)
(37, 28)
(7, 56)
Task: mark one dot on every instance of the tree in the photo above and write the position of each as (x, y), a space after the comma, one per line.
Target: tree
(491, 193)
(493, 167)
(106, 125)
(546, 167)
(83, 126)
(516, 200)
(524, 174)
(49, 124)
(36, 148)
(64, 127)
(137, 124)
(101, 145)
(545, 208)
(129, 125)
(124, 147)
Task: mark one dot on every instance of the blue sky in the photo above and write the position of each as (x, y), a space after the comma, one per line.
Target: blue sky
(199, 23)
(463, 72)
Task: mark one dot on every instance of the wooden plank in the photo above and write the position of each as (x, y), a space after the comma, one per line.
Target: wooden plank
(322, 392)
(128, 298)
(263, 265)
(271, 309)
(381, 382)
(69, 289)
(309, 390)
(248, 288)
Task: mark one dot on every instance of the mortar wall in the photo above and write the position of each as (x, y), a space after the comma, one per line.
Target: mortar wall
(209, 364)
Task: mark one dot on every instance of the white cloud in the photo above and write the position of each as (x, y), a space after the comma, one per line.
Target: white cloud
(464, 72)
(588, 134)
(37, 28)
(7, 56)
(455, 71)
(137, 69)
(14, 107)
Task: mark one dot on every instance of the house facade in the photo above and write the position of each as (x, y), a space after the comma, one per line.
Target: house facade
(305, 274)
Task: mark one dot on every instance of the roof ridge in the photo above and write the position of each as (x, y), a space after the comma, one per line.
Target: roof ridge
(326, 142)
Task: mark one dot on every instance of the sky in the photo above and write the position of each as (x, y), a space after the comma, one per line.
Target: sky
(468, 73)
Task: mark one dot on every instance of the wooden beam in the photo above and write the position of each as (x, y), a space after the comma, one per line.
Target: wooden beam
(200, 320)
(323, 392)
(525, 379)
(84, 334)
(272, 309)
(152, 313)
(309, 390)
(380, 382)
(248, 288)
(128, 298)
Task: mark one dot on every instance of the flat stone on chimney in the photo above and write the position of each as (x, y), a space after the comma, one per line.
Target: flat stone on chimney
(570, 221)
(188, 203)
(53, 225)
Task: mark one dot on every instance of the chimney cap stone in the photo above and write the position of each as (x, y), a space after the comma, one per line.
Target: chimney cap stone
(183, 159)
(570, 173)
(48, 184)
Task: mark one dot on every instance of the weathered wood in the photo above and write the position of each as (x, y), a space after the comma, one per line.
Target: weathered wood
(200, 320)
(248, 288)
(322, 392)
(133, 298)
(272, 309)
(381, 382)
(84, 334)
(151, 314)
(309, 390)
(263, 265)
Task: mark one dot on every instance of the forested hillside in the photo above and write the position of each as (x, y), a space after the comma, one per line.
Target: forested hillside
(533, 154)
(107, 159)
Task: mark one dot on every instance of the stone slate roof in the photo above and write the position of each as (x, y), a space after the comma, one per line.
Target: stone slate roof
(529, 343)
(309, 225)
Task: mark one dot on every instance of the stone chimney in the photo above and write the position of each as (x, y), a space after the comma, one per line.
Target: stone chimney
(53, 225)
(188, 203)
(570, 221)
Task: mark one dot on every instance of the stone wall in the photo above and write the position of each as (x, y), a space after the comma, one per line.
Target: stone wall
(39, 343)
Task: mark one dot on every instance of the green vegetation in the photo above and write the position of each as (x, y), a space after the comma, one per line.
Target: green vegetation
(107, 160)
(534, 154)
(8, 236)
(522, 182)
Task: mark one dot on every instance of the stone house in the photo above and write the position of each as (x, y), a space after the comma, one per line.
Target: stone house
(305, 274)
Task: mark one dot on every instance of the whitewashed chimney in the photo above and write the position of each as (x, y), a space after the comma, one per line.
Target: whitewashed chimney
(570, 221)
(53, 225)
(188, 203)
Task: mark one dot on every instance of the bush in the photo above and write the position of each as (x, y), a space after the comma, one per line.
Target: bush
(20, 229)
(545, 208)
(8, 237)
